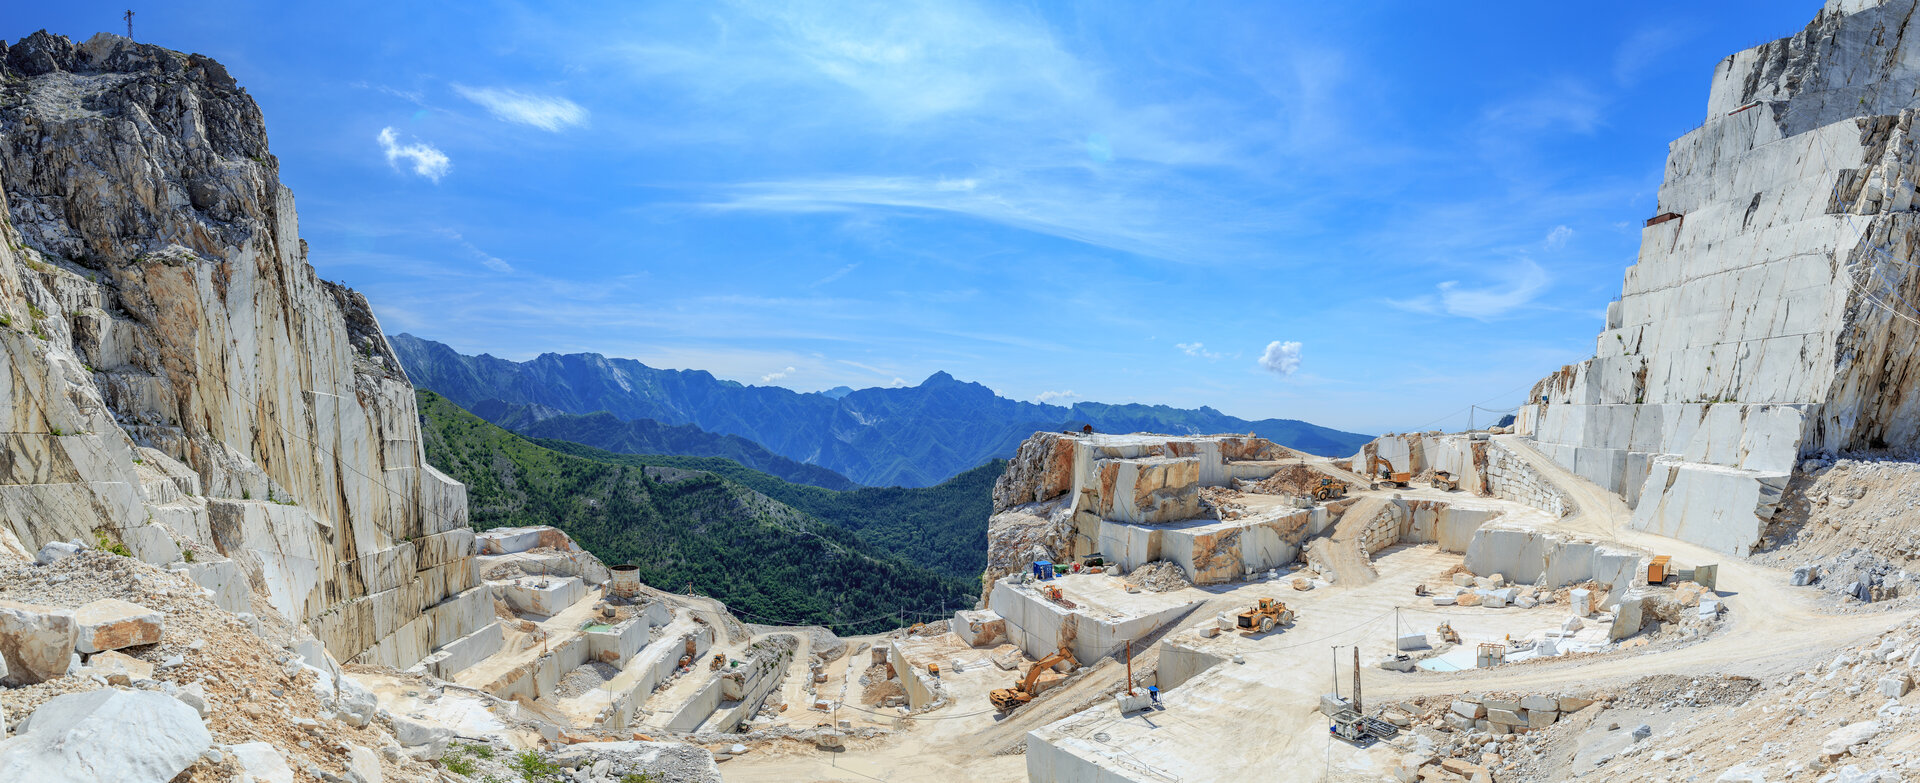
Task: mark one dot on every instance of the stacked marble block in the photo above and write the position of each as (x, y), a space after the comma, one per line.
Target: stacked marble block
(1502, 716)
(1212, 551)
(1531, 550)
(1040, 627)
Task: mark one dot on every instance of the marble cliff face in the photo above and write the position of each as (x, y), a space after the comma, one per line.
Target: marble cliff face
(178, 379)
(1771, 312)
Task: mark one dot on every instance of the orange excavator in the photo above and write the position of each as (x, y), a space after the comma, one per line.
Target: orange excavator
(1380, 468)
(1006, 699)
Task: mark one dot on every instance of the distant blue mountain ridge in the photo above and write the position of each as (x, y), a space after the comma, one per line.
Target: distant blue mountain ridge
(914, 436)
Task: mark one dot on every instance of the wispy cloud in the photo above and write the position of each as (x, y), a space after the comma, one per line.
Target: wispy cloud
(1564, 103)
(1281, 358)
(835, 275)
(487, 260)
(1523, 282)
(1117, 220)
(1641, 50)
(546, 112)
(1196, 349)
(774, 376)
(426, 160)
(1057, 396)
(1559, 236)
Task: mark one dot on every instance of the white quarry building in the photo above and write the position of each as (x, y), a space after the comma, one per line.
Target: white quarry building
(1771, 312)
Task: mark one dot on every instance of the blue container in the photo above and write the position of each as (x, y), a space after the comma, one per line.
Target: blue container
(1043, 569)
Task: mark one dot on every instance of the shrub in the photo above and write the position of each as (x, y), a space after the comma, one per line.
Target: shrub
(107, 544)
(532, 767)
(457, 762)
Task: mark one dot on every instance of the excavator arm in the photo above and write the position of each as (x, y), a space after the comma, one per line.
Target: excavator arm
(1005, 699)
(1374, 461)
(1033, 672)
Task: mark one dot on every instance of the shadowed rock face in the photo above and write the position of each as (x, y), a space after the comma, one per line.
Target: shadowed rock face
(176, 376)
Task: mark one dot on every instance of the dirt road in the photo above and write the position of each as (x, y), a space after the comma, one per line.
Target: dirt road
(1339, 554)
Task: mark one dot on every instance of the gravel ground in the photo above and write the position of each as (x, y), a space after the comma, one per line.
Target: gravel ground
(586, 678)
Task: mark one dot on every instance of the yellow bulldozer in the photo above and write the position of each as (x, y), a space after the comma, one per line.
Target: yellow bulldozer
(1262, 617)
(1329, 490)
(1445, 481)
(1381, 469)
(1006, 699)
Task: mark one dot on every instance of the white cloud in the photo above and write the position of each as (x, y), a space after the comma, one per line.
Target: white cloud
(774, 376)
(426, 160)
(1524, 282)
(1057, 396)
(1558, 236)
(898, 382)
(1281, 358)
(546, 112)
(1196, 349)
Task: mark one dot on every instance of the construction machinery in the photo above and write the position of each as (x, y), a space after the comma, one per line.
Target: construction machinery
(1445, 481)
(1347, 718)
(1052, 592)
(1006, 699)
(1381, 470)
(1262, 617)
(1329, 490)
(1447, 634)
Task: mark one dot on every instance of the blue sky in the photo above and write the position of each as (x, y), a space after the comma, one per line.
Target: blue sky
(1365, 216)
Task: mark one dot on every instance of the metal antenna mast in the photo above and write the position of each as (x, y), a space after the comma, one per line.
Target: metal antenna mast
(129, 17)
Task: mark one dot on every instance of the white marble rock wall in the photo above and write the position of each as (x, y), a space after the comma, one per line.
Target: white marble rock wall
(1774, 318)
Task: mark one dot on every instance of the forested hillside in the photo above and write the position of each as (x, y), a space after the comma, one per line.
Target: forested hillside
(606, 431)
(942, 527)
(763, 557)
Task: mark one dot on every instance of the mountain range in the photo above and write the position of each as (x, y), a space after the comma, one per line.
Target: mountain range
(913, 436)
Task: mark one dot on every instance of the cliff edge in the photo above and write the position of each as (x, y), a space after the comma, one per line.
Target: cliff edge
(177, 378)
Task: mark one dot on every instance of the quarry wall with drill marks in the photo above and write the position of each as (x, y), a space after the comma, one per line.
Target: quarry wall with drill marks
(1770, 319)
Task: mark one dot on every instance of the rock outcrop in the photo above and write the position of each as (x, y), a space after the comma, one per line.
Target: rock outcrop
(178, 381)
(1771, 313)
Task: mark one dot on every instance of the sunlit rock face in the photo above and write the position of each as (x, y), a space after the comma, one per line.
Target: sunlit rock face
(177, 378)
(1771, 312)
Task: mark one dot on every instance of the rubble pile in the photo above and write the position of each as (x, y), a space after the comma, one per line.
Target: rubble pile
(239, 687)
(1844, 719)
(1288, 480)
(1219, 503)
(1160, 576)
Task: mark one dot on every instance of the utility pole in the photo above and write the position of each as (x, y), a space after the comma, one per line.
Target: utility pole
(129, 17)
